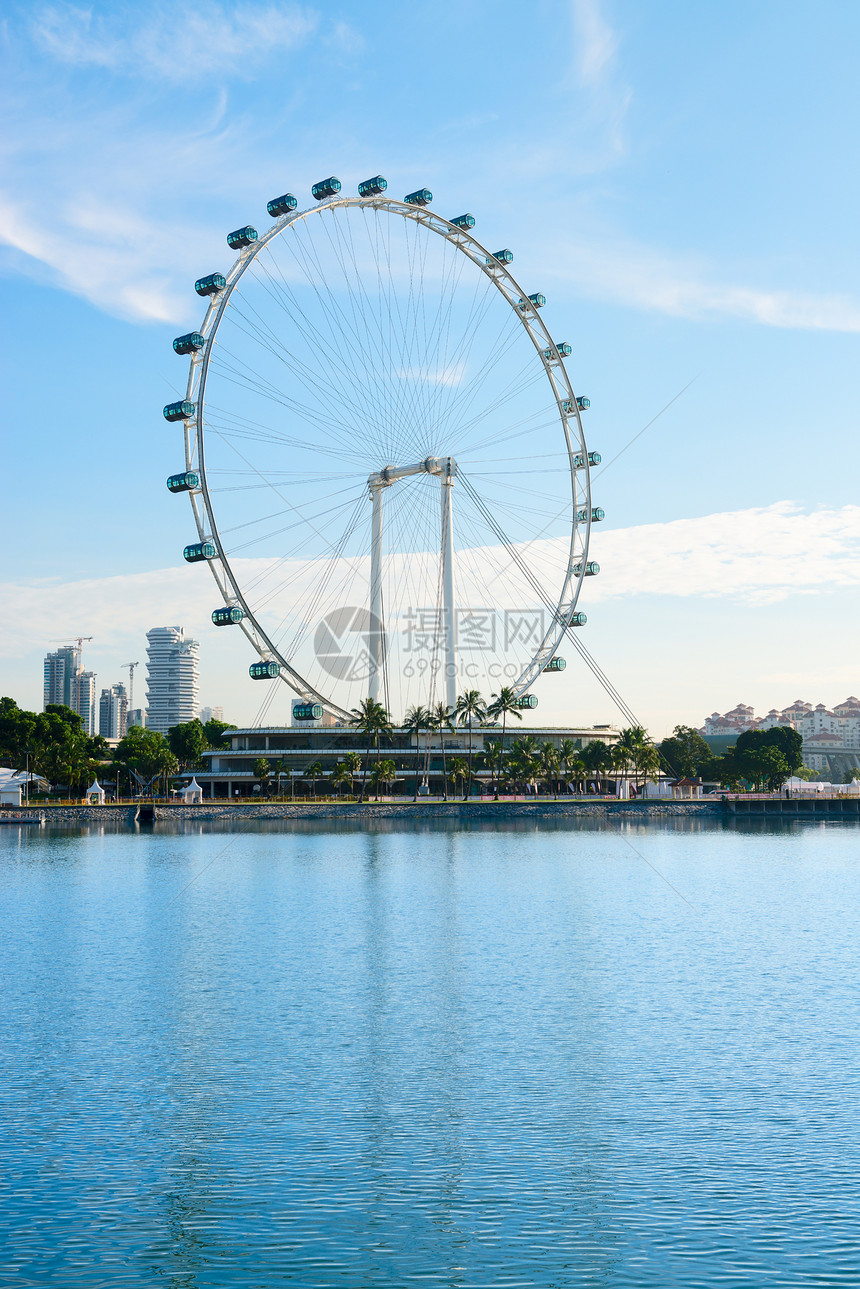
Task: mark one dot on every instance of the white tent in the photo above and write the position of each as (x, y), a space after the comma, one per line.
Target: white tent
(95, 794)
(192, 793)
(13, 784)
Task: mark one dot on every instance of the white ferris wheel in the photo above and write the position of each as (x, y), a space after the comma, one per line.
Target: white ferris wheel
(385, 456)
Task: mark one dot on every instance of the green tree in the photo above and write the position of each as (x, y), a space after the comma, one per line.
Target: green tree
(188, 742)
(371, 719)
(549, 763)
(314, 772)
(339, 776)
(383, 774)
(684, 752)
(782, 737)
(352, 765)
(494, 758)
(441, 718)
(597, 758)
(17, 734)
(571, 764)
(504, 704)
(217, 734)
(470, 707)
(145, 754)
(461, 769)
(261, 771)
(417, 720)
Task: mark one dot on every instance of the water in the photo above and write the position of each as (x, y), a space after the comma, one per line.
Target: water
(435, 1056)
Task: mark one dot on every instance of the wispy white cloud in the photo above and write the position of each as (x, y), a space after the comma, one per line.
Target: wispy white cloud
(450, 376)
(176, 43)
(623, 272)
(596, 42)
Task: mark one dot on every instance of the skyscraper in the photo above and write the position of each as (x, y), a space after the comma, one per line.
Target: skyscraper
(60, 667)
(113, 712)
(83, 699)
(171, 678)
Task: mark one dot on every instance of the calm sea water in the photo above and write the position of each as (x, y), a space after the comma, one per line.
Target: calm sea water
(430, 1056)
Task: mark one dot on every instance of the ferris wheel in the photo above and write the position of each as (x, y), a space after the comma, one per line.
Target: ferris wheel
(385, 456)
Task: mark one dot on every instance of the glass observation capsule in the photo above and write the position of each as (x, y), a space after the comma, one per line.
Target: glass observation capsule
(504, 257)
(178, 411)
(307, 712)
(241, 237)
(594, 458)
(464, 221)
(577, 620)
(421, 197)
(210, 285)
(555, 664)
(198, 551)
(264, 670)
(372, 187)
(527, 701)
(583, 403)
(183, 482)
(227, 617)
(281, 205)
(564, 351)
(537, 301)
(596, 515)
(592, 568)
(188, 344)
(326, 188)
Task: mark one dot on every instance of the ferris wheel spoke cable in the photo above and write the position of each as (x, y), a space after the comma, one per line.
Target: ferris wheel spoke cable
(587, 657)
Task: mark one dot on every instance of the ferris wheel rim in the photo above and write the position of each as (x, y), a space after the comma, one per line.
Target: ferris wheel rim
(554, 369)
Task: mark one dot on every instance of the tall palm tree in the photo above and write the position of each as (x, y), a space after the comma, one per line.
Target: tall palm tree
(371, 719)
(493, 759)
(503, 704)
(339, 776)
(549, 765)
(352, 765)
(314, 772)
(415, 721)
(460, 769)
(597, 757)
(383, 772)
(441, 717)
(567, 756)
(470, 707)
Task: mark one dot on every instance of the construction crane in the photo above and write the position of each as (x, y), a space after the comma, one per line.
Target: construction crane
(79, 641)
(131, 666)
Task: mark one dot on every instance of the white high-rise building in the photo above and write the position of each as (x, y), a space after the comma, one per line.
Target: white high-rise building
(83, 699)
(171, 678)
(113, 712)
(59, 669)
(211, 714)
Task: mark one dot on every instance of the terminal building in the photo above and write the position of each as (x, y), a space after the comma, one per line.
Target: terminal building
(291, 752)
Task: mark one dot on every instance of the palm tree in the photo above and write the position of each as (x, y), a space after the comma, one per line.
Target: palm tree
(339, 776)
(470, 708)
(441, 718)
(504, 703)
(352, 765)
(548, 760)
(314, 772)
(416, 720)
(597, 757)
(461, 769)
(371, 719)
(567, 758)
(493, 759)
(385, 771)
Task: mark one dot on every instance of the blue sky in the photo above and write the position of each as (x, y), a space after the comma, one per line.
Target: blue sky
(680, 181)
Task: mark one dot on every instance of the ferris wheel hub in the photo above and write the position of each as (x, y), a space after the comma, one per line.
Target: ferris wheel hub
(446, 467)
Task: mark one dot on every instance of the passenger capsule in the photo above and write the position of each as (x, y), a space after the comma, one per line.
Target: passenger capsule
(555, 664)
(504, 257)
(183, 482)
(178, 411)
(592, 568)
(326, 188)
(199, 551)
(281, 205)
(577, 620)
(227, 617)
(464, 221)
(307, 712)
(594, 458)
(264, 670)
(372, 187)
(210, 285)
(188, 344)
(241, 237)
(596, 515)
(537, 301)
(421, 197)
(583, 403)
(528, 701)
(564, 351)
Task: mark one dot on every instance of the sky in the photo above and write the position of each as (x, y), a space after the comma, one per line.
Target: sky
(679, 181)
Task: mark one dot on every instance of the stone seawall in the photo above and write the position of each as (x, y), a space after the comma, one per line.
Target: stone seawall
(369, 810)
